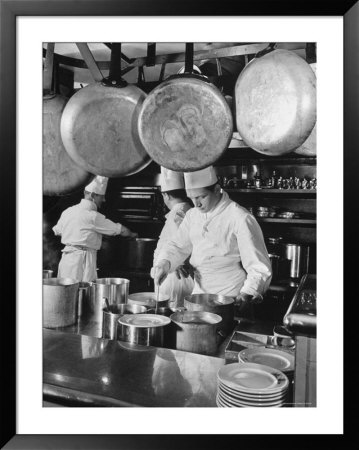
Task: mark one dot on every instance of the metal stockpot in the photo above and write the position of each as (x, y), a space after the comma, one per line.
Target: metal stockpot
(59, 302)
(217, 304)
(110, 318)
(47, 273)
(148, 299)
(83, 298)
(138, 252)
(196, 331)
(298, 255)
(114, 289)
(143, 329)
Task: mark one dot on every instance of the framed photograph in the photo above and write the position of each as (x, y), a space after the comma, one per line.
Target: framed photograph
(85, 30)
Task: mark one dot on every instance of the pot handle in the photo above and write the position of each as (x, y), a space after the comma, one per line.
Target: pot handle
(272, 46)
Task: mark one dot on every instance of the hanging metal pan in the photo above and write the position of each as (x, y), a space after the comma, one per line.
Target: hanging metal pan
(99, 123)
(61, 175)
(185, 123)
(276, 102)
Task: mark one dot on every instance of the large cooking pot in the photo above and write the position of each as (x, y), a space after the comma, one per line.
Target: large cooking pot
(276, 102)
(99, 123)
(143, 329)
(114, 289)
(217, 304)
(196, 331)
(61, 175)
(185, 123)
(111, 316)
(59, 302)
(137, 253)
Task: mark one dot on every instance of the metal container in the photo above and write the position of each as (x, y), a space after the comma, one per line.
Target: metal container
(138, 252)
(83, 298)
(60, 296)
(275, 260)
(114, 289)
(196, 331)
(110, 317)
(47, 273)
(298, 255)
(217, 304)
(148, 299)
(143, 329)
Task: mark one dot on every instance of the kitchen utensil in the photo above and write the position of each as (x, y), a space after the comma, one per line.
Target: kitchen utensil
(298, 255)
(99, 123)
(185, 123)
(59, 302)
(276, 102)
(143, 329)
(196, 331)
(107, 305)
(217, 304)
(47, 273)
(148, 299)
(112, 313)
(114, 289)
(61, 175)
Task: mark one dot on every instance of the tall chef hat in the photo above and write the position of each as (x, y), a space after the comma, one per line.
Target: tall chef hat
(98, 185)
(171, 180)
(200, 178)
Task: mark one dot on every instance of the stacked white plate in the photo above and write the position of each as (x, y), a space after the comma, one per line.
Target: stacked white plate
(278, 359)
(251, 385)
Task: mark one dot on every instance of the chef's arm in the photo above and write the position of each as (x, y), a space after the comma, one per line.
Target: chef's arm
(254, 259)
(109, 228)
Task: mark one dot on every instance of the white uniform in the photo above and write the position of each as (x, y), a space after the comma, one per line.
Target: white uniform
(81, 228)
(227, 247)
(173, 287)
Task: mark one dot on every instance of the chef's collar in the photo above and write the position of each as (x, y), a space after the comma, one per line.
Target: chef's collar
(88, 204)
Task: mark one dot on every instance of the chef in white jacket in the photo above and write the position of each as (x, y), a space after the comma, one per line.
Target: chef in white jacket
(81, 228)
(178, 284)
(224, 240)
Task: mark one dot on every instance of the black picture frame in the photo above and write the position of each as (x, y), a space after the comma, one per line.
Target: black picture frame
(10, 9)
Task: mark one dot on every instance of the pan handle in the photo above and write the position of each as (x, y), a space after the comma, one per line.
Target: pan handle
(114, 79)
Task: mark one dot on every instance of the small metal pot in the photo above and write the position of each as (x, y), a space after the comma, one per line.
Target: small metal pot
(47, 274)
(143, 329)
(110, 318)
(217, 304)
(197, 331)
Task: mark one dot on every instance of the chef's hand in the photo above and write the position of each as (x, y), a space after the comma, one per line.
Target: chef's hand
(245, 299)
(126, 232)
(160, 271)
(182, 272)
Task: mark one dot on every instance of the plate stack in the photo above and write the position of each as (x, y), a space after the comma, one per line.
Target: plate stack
(251, 385)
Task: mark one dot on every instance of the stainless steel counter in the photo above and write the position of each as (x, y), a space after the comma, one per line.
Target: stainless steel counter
(83, 370)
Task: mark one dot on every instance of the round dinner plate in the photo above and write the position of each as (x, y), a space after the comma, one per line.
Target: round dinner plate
(252, 378)
(239, 402)
(269, 357)
(144, 320)
(252, 397)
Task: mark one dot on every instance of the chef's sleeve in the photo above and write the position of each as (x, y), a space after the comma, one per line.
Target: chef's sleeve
(105, 226)
(178, 248)
(254, 256)
(57, 229)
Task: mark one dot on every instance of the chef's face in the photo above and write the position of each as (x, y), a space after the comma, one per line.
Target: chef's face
(203, 198)
(98, 199)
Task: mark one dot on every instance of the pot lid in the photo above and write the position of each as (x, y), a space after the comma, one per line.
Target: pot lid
(144, 320)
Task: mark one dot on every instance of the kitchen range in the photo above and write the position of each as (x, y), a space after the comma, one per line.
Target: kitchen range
(217, 141)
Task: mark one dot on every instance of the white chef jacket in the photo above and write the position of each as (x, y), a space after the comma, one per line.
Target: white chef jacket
(227, 250)
(173, 287)
(81, 228)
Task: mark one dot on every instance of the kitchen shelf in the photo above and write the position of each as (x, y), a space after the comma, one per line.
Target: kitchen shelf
(311, 192)
(292, 221)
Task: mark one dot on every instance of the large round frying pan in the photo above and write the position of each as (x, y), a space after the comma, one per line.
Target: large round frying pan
(61, 175)
(99, 123)
(276, 102)
(185, 123)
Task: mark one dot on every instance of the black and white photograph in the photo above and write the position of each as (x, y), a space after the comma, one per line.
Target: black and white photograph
(167, 244)
(179, 224)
